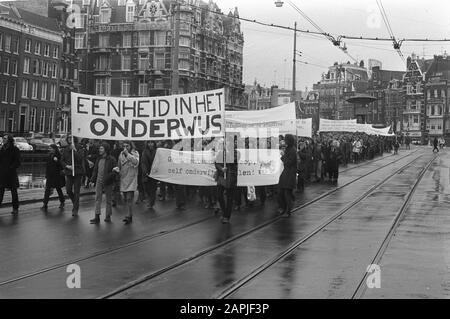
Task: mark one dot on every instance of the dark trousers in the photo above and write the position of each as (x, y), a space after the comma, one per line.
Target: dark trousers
(48, 191)
(226, 206)
(301, 182)
(150, 186)
(261, 192)
(180, 195)
(14, 195)
(73, 185)
(436, 148)
(286, 199)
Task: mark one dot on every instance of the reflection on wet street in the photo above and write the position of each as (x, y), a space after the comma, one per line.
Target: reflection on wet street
(31, 175)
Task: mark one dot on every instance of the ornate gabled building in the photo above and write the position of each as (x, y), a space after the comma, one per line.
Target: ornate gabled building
(436, 91)
(414, 115)
(137, 48)
(386, 87)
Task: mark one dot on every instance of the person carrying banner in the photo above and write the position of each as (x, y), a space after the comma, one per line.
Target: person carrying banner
(53, 177)
(150, 184)
(9, 163)
(104, 176)
(72, 159)
(334, 160)
(128, 168)
(287, 181)
(226, 177)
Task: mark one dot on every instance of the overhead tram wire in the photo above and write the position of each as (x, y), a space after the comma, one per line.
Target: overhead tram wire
(348, 37)
(397, 44)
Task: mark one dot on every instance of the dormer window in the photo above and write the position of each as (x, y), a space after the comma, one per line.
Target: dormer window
(130, 11)
(121, 2)
(105, 15)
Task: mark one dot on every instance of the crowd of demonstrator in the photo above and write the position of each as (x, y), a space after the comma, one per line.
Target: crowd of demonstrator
(119, 170)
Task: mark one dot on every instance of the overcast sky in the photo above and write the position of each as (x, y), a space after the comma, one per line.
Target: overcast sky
(268, 51)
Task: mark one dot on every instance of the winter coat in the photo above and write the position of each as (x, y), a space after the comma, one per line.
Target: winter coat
(9, 163)
(287, 177)
(109, 176)
(335, 158)
(79, 156)
(232, 170)
(129, 171)
(54, 172)
(148, 156)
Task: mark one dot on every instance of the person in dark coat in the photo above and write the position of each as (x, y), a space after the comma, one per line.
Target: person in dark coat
(150, 184)
(226, 177)
(53, 176)
(9, 163)
(103, 176)
(334, 161)
(287, 180)
(301, 166)
(73, 181)
(435, 144)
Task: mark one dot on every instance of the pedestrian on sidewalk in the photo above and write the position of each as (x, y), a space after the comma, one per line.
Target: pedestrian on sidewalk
(128, 168)
(54, 177)
(396, 147)
(150, 184)
(287, 181)
(9, 163)
(74, 171)
(435, 144)
(104, 177)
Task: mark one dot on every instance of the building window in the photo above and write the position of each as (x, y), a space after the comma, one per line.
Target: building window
(126, 85)
(1, 41)
(143, 61)
(103, 63)
(79, 41)
(42, 121)
(416, 119)
(47, 50)
(126, 40)
(121, 2)
(103, 40)
(14, 67)
(159, 84)
(34, 90)
(13, 91)
(6, 66)
(144, 39)
(4, 91)
(44, 88)
(75, 74)
(160, 38)
(143, 88)
(103, 86)
(25, 88)
(37, 48)
(54, 71)
(435, 94)
(53, 92)
(26, 65)
(7, 43)
(51, 120)
(126, 62)
(130, 12)
(160, 61)
(33, 119)
(185, 41)
(105, 15)
(45, 69)
(35, 67)
(64, 122)
(28, 45)
(55, 52)
(14, 45)
(185, 65)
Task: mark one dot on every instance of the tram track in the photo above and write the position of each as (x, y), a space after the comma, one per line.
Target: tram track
(150, 237)
(211, 249)
(238, 284)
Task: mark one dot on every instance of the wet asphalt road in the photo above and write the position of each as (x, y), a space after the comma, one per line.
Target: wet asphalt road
(190, 254)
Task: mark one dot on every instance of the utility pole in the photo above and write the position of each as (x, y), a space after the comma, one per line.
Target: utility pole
(176, 50)
(294, 62)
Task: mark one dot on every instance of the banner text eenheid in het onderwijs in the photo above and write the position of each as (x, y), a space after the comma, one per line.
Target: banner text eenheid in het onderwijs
(194, 115)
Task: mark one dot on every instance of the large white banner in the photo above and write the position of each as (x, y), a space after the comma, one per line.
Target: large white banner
(259, 167)
(194, 115)
(304, 127)
(337, 125)
(262, 123)
(184, 168)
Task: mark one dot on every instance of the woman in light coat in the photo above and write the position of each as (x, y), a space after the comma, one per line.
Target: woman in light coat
(128, 168)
